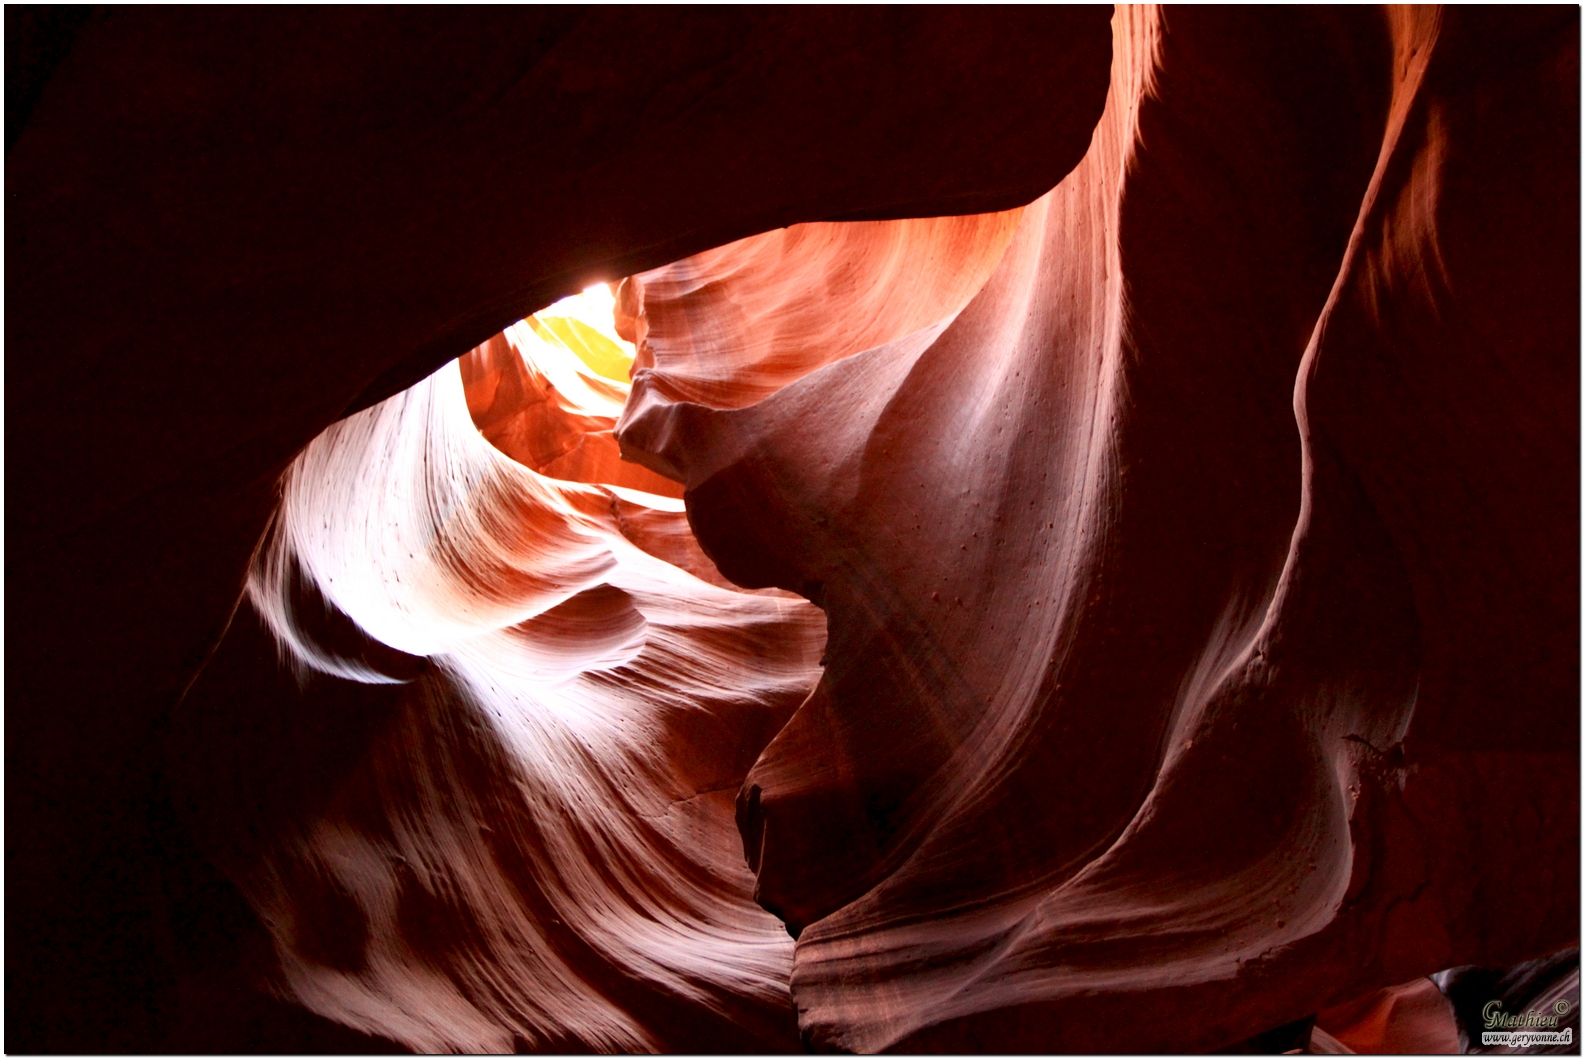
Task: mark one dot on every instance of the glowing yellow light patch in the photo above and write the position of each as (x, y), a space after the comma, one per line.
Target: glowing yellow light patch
(585, 325)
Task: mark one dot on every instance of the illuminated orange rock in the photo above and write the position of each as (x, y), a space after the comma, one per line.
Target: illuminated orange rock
(537, 402)
(226, 231)
(539, 846)
(1195, 530)
(1156, 716)
(729, 327)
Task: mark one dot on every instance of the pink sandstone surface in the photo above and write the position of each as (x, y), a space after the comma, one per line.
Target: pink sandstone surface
(1079, 565)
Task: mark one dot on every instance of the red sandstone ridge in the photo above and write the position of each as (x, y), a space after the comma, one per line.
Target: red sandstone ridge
(228, 229)
(1152, 715)
(1184, 465)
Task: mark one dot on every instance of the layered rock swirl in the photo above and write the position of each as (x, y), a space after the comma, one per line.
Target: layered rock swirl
(225, 231)
(1202, 591)
(534, 846)
(1197, 547)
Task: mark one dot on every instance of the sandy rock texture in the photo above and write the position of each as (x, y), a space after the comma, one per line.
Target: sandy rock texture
(1202, 595)
(227, 230)
(1086, 558)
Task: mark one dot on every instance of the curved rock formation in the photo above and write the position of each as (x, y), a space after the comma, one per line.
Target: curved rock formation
(1197, 541)
(1140, 696)
(226, 229)
(534, 399)
(546, 825)
(538, 847)
(727, 328)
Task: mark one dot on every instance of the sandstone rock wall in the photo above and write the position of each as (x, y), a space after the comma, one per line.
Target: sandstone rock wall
(1194, 519)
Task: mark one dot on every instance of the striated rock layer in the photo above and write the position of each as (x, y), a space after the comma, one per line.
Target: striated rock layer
(1197, 543)
(550, 809)
(227, 229)
(1202, 592)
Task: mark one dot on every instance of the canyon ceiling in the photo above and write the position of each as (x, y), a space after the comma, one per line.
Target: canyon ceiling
(1087, 557)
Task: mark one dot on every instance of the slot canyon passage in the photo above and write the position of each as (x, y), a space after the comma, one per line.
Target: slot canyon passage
(1048, 529)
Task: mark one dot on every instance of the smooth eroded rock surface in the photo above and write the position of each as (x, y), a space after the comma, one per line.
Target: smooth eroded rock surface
(1202, 594)
(1184, 460)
